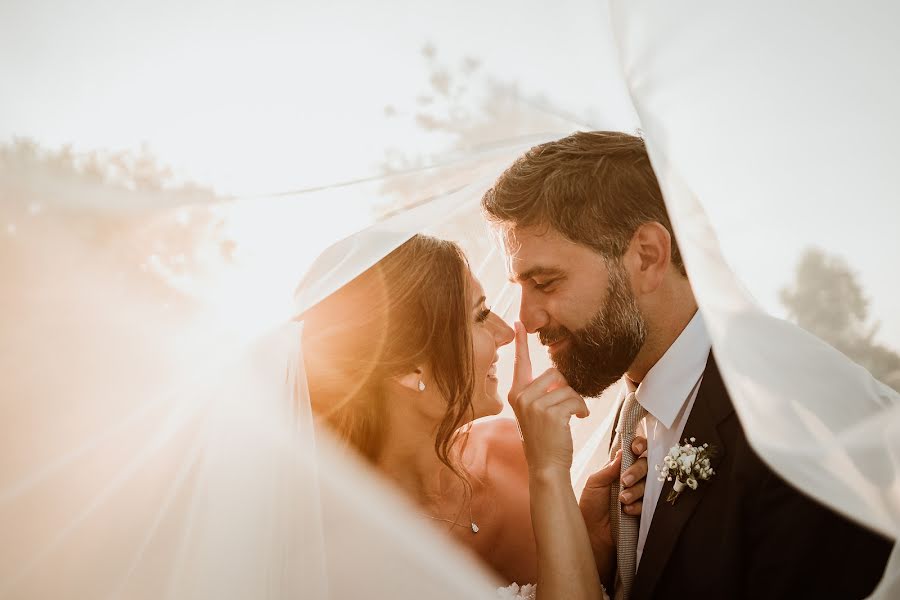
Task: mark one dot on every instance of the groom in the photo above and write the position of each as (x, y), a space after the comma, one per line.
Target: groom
(604, 286)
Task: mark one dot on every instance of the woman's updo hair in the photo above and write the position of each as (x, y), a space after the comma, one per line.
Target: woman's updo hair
(410, 309)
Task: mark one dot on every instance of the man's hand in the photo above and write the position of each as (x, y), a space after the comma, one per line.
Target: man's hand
(543, 408)
(595, 503)
(634, 479)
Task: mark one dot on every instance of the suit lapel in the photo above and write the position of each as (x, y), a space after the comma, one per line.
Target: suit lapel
(710, 408)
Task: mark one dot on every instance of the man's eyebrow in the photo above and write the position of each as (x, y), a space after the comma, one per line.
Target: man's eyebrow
(535, 272)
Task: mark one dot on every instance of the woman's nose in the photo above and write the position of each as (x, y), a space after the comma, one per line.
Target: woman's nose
(503, 333)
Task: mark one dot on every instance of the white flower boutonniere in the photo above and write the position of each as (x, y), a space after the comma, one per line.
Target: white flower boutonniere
(687, 465)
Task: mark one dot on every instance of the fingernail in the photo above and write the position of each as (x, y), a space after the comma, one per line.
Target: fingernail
(626, 497)
(628, 480)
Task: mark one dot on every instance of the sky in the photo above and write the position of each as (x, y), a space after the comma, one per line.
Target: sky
(269, 96)
(257, 97)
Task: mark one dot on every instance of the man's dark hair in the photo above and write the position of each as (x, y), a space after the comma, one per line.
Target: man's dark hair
(595, 188)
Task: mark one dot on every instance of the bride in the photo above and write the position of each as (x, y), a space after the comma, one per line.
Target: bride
(404, 364)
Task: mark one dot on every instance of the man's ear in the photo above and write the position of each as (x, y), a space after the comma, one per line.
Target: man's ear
(410, 380)
(649, 256)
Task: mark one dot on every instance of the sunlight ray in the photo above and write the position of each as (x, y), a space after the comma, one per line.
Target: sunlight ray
(41, 474)
(171, 493)
(164, 434)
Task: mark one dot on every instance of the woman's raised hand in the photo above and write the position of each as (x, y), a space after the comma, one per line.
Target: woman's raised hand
(543, 408)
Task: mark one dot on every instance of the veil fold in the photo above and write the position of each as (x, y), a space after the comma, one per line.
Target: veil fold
(756, 133)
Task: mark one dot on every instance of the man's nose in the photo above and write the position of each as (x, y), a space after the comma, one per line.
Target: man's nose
(531, 313)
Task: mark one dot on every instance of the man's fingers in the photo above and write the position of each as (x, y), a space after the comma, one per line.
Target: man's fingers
(635, 472)
(639, 445)
(633, 509)
(522, 366)
(632, 494)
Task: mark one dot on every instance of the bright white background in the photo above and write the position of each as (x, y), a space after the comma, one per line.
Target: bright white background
(261, 97)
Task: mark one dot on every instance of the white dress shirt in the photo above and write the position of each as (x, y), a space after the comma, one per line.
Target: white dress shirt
(668, 393)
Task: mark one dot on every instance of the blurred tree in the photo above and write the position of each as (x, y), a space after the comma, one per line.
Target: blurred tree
(472, 111)
(827, 300)
(123, 170)
(466, 113)
(124, 201)
(468, 116)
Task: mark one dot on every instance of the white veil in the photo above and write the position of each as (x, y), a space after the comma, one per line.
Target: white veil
(777, 138)
(156, 442)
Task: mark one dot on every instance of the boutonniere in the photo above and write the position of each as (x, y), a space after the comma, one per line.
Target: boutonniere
(687, 465)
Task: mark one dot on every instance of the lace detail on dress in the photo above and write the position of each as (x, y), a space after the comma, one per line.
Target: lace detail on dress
(529, 592)
(516, 592)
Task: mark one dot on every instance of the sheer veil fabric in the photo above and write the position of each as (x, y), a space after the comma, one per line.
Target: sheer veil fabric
(166, 449)
(770, 125)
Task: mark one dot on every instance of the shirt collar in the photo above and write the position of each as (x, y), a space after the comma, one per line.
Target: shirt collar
(668, 385)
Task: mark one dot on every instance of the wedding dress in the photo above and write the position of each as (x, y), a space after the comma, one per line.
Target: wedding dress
(160, 444)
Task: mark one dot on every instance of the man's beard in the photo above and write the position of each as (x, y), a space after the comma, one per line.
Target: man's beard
(598, 354)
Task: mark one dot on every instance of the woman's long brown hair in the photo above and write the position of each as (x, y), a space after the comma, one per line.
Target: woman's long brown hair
(410, 309)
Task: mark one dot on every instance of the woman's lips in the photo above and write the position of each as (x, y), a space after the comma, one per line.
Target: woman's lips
(492, 371)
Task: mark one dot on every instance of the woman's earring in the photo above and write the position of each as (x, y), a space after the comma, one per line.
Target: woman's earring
(421, 383)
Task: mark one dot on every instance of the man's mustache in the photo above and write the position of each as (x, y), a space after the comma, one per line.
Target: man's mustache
(549, 336)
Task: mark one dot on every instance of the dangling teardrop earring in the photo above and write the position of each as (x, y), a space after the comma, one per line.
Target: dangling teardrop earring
(421, 383)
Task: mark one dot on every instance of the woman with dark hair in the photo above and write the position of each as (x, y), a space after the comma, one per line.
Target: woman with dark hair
(404, 362)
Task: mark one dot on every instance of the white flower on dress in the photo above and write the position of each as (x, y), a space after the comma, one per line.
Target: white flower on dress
(516, 592)
(528, 592)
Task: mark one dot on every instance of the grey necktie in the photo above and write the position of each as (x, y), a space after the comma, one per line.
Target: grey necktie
(625, 527)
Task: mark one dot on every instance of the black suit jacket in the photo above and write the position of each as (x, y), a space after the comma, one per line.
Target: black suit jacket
(746, 533)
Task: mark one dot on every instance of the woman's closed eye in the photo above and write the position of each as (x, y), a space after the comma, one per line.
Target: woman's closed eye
(482, 315)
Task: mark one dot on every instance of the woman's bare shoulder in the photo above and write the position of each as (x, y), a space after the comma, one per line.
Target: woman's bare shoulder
(500, 441)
